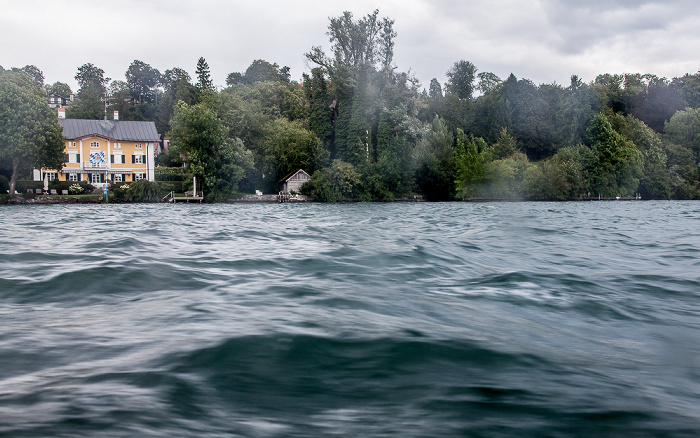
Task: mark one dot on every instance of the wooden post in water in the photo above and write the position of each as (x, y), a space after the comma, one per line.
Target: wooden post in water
(194, 186)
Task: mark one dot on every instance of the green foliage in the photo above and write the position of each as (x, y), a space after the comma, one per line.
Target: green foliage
(261, 71)
(471, 157)
(59, 89)
(170, 173)
(460, 79)
(289, 146)
(655, 180)
(576, 162)
(434, 162)
(684, 172)
(505, 145)
(166, 187)
(90, 75)
(336, 183)
(504, 178)
(65, 185)
(33, 72)
(23, 184)
(618, 166)
(142, 191)
(217, 161)
(689, 88)
(204, 82)
(684, 129)
(29, 133)
(546, 181)
(435, 89)
(89, 104)
(143, 80)
(488, 82)
(317, 95)
(4, 184)
(355, 109)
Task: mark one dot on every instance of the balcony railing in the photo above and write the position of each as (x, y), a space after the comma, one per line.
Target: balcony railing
(89, 165)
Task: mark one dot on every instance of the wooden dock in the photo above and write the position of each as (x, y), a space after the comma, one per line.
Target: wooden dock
(189, 196)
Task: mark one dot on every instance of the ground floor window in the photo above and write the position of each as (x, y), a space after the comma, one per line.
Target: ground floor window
(117, 177)
(96, 178)
(138, 176)
(51, 175)
(72, 177)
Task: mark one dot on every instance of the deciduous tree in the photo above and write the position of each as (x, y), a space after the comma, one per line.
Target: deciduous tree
(29, 132)
(217, 161)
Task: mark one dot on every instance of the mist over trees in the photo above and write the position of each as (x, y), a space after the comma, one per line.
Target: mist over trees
(365, 130)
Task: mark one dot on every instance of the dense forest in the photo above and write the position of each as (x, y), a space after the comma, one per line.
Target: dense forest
(366, 131)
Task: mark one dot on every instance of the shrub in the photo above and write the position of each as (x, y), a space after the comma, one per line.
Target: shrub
(22, 185)
(66, 185)
(170, 173)
(143, 191)
(4, 184)
(170, 186)
(119, 192)
(75, 189)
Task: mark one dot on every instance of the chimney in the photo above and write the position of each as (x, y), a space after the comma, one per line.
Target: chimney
(116, 115)
(61, 113)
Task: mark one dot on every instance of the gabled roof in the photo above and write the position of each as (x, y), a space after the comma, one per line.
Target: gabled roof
(288, 177)
(112, 129)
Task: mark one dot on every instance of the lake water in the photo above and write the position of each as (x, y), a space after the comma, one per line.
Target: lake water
(350, 320)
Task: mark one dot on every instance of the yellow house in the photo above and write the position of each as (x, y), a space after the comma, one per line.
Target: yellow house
(101, 151)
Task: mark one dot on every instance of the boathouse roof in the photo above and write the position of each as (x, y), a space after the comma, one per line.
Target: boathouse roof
(302, 175)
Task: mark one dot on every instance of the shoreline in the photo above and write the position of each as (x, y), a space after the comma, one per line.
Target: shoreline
(274, 199)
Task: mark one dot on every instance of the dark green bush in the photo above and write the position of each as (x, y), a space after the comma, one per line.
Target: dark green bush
(170, 174)
(170, 186)
(22, 185)
(4, 185)
(143, 191)
(65, 185)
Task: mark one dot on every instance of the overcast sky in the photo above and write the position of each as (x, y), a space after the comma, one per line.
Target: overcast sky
(545, 41)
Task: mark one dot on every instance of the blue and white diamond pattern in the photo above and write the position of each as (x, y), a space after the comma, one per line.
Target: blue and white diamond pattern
(98, 157)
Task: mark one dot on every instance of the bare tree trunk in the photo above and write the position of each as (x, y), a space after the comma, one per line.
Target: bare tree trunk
(13, 178)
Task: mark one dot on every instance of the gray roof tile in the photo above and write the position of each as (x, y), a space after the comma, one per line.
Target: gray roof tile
(120, 130)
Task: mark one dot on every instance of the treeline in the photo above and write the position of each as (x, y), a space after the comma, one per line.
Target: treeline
(366, 131)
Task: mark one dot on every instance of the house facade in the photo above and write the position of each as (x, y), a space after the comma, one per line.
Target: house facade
(295, 181)
(101, 151)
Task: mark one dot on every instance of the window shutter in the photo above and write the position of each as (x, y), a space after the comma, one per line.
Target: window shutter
(133, 159)
(78, 155)
(123, 159)
(111, 159)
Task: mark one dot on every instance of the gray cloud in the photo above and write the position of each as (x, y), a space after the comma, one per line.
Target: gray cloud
(542, 40)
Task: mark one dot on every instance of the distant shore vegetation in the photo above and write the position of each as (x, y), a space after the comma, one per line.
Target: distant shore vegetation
(366, 131)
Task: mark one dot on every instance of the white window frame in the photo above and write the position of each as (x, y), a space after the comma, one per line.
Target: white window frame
(117, 145)
(139, 159)
(94, 178)
(138, 145)
(139, 176)
(94, 144)
(53, 176)
(73, 157)
(117, 177)
(73, 177)
(71, 144)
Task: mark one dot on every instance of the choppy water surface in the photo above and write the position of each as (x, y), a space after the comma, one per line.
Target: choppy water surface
(407, 320)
